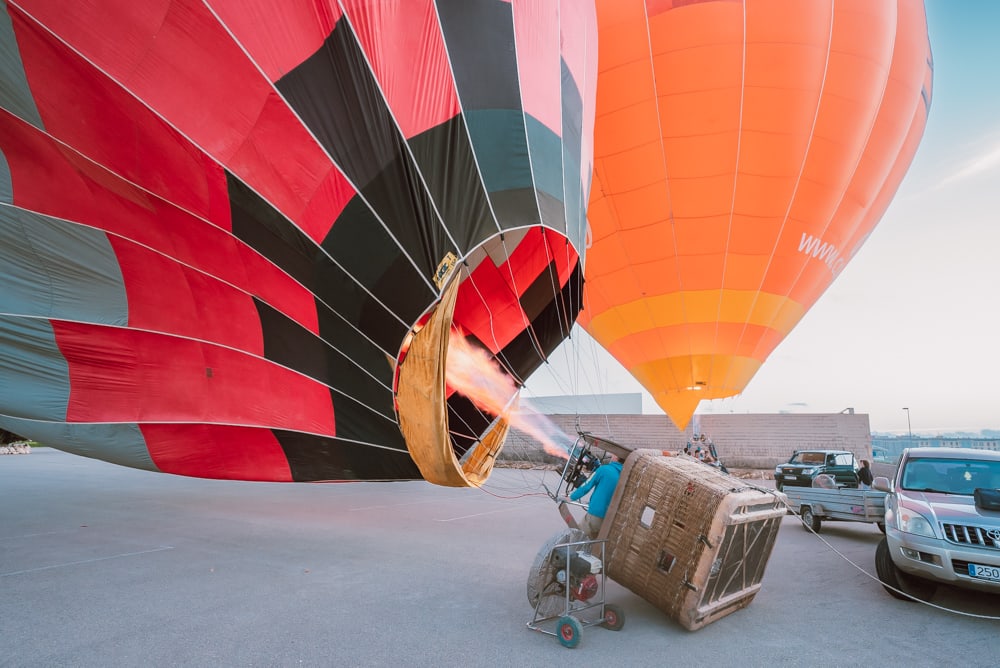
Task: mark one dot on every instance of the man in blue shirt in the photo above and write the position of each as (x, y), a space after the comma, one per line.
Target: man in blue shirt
(603, 482)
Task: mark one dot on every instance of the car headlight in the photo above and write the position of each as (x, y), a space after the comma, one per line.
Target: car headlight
(809, 471)
(913, 522)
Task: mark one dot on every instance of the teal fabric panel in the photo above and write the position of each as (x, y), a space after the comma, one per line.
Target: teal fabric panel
(55, 269)
(6, 186)
(546, 158)
(15, 95)
(119, 443)
(501, 148)
(34, 376)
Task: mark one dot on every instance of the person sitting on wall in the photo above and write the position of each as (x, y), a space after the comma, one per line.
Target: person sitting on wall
(603, 482)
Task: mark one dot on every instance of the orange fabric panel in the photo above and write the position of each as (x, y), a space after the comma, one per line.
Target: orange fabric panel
(629, 126)
(632, 170)
(641, 207)
(705, 339)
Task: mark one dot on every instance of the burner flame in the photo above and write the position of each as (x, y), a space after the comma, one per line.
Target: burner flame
(473, 373)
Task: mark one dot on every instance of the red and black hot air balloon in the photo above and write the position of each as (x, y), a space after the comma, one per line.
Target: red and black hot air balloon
(224, 223)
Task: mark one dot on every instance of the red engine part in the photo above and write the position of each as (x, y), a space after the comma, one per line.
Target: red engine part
(585, 590)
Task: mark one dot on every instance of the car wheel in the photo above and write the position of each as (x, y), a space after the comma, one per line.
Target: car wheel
(778, 486)
(810, 520)
(899, 584)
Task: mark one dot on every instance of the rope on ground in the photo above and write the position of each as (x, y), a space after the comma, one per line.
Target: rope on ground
(874, 577)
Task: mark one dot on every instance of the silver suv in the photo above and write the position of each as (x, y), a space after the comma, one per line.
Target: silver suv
(942, 522)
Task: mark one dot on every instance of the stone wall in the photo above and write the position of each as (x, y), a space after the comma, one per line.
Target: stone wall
(760, 440)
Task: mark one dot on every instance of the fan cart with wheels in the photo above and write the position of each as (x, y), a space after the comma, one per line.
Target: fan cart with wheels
(566, 588)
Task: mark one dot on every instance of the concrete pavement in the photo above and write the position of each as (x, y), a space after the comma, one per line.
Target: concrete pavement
(106, 566)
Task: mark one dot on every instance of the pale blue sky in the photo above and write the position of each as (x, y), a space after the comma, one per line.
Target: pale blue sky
(914, 319)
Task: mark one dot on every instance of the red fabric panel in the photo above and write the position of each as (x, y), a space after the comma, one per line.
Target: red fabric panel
(125, 375)
(406, 51)
(278, 36)
(487, 304)
(217, 451)
(195, 76)
(536, 34)
(101, 114)
(291, 171)
(533, 256)
(164, 296)
(279, 289)
(90, 195)
(487, 307)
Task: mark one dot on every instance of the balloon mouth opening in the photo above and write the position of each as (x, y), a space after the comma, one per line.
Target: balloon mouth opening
(421, 394)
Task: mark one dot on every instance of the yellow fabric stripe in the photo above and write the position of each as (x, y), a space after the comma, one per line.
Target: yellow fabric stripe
(679, 308)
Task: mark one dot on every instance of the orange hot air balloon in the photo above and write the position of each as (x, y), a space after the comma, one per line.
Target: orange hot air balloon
(743, 153)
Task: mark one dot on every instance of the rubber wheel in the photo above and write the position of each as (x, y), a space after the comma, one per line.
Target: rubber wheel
(811, 520)
(614, 617)
(910, 588)
(778, 486)
(881, 526)
(569, 631)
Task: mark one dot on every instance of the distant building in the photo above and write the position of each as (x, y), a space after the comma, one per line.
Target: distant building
(758, 440)
(889, 448)
(743, 440)
(587, 404)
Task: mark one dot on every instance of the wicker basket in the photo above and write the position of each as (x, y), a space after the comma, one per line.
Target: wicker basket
(688, 538)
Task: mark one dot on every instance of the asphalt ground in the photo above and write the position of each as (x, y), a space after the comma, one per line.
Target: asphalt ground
(107, 566)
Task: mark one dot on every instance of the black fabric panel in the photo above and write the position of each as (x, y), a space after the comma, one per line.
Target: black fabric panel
(263, 228)
(516, 208)
(338, 98)
(449, 167)
(553, 325)
(552, 210)
(289, 344)
(479, 35)
(361, 247)
(541, 292)
(547, 330)
(364, 250)
(313, 458)
(466, 423)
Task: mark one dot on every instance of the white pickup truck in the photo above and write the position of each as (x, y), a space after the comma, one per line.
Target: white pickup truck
(942, 521)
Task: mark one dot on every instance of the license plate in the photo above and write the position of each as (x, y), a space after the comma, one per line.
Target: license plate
(985, 572)
(789, 477)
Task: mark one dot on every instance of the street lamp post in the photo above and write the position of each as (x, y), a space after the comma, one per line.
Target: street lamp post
(909, 430)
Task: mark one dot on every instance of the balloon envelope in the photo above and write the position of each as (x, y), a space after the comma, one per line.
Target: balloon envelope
(222, 221)
(743, 153)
